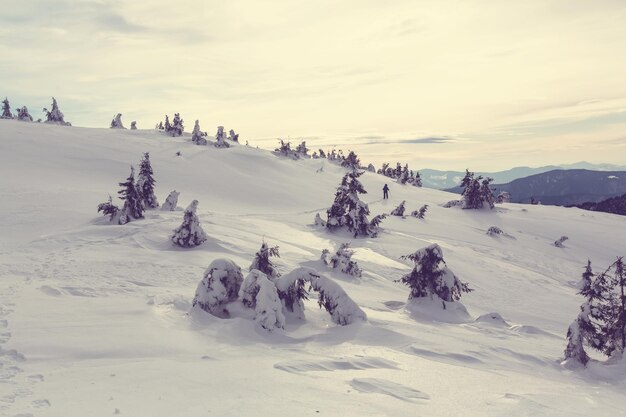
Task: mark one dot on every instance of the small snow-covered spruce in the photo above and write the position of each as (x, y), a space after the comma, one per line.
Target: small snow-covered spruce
(503, 197)
(431, 277)
(302, 150)
(220, 138)
(108, 209)
(197, 136)
(583, 329)
(371, 168)
(55, 115)
(189, 233)
(116, 123)
(349, 211)
(351, 161)
(285, 150)
(6, 110)
(219, 286)
(476, 191)
(24, 115)
(416, 180)
(405, 175)
(167, 126)
(171, 201)
(342, 260)
(263, 263)
(259, 293)
(559, 243)
(133, 125)
(614, 310)
(176, 128)
(133, 206)
(145, 183)
(322, 153)
(399, 211)
(421, 213)
(291, 290)
(233, 136)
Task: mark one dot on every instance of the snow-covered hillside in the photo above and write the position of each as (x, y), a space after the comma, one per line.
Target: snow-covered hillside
(94, 316)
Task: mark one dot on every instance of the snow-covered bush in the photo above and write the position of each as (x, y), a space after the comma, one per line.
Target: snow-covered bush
(133, 205)
(371, 168)
(219, 286)
(285, 150)
(263, 263)
(133, 125)
(6, 110)
(291, 290)
(559, 242)
(171, 201)
(233, 136)
(342, 260)
(259, 293)
(302, 150)
(452, 203)
(476, 191)
(108, 209)
(24, 115)
(405, 175)
(349, 211)
(415, 180)
(55, 115)
(421, 213)
(503, 197)
(432, 278)
(220, 138)
(189, 233)
(116, 123)
(399, 211)
(145, 183)
(494, 231)
(197, 136)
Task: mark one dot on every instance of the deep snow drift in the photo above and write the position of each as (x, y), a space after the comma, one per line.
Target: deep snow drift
(95, 317)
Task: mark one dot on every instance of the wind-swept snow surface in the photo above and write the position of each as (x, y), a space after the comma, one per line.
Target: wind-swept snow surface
(96, 318)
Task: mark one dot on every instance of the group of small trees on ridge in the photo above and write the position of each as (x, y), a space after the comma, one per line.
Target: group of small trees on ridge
(176, 128)
(54, 116)
(601, 322)
(401, 175)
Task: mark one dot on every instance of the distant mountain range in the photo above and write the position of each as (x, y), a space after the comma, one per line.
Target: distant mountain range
(564, 187)
(433, 178)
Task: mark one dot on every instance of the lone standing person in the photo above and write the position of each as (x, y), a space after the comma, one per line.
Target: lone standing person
(385, 192)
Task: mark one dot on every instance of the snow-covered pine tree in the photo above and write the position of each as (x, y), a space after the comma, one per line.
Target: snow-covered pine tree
(171, 201)
(6, 109)
(383, 169)
(167, 126)
(302, 150)
(233, 136)
(133, 125)
(348, 209)
(486, 192)
(108, 208)
(189, 233)
(116, 123)
(575, 349)
(322, 153)
(342, 260)
(476, 191)
(133, 206)
(351, 161)
(197, 136)
(220, 138)
(285, 150)
(614, 311)
(259, 293)
(24, 115)
(55, 115)
(263, 263)
(145, 183)
(431, 277)
(405, 175)
(219, 286)
(398, 171)
(176, 128)
(421, 213)
(399, 211)
(417, 180)
(371, 168)
(503, 197)
(374, 227)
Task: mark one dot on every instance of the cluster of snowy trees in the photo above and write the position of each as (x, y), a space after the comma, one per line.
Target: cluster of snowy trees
(116, 123)
(137, 195)
(342, 260)
(401, 175)
(54, 116)
(199, 137)
(601, 322)
(268, 296)
(348, 211)
(419, 214)
(476, 191)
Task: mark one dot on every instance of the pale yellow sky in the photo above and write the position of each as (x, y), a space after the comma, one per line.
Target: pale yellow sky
(501, 83)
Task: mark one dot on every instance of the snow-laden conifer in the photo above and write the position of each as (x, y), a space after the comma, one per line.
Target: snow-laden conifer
(432, 278)
(476, 191)
(55, 115)
(189, 233)
(6, 109)
(233, 136)
(263, 263)
(116, 123)
(284, 149)
(219, 286)
(259, 293)
(197, 136)
(108, 209)
(24, 115)
(220, 138)
(352, 161)
(145, 183)
(133, 125)
(399, 211)
(371, 168)
(133, 206)
(171, 202)
(421, 213)
(342, 260)
(176, 128)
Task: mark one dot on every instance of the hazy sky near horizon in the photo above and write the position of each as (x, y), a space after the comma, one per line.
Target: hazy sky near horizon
(442, 84)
